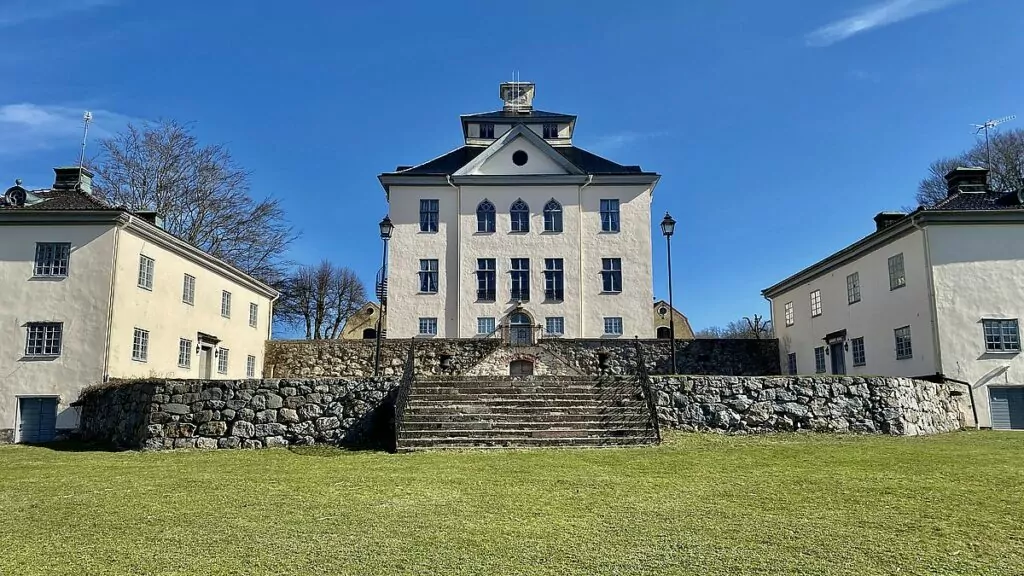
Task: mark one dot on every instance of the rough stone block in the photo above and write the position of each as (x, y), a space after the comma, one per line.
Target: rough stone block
(258, 402)
(179, 430)
(274, 401)
(328, 423)
(176, 408)
(243, 429)
(212, 429)
(227, 414)
(273, 429)
(266, 416)
(246, 414)
(287, 415)
(276, 442)
(155, 431)
(229, 442)
(206, 443)
(310, 411)
(251, 444)
(203, 416)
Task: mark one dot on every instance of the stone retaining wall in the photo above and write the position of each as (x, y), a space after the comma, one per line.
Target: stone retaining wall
(160, 414)
(898, 406)
(488, 356)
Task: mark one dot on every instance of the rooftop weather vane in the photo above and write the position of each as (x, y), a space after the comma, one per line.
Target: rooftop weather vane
(984, 127)
(86, 120)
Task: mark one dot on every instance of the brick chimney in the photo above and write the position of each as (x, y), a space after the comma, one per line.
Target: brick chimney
(72, 178)
(967, 180)
(885, 219)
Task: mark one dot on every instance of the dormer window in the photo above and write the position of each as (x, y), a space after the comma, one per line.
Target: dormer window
(487, 130)
(550, 131)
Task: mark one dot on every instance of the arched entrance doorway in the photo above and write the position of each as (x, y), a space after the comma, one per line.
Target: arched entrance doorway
(664, 332)
(520, 368)
(520, 329)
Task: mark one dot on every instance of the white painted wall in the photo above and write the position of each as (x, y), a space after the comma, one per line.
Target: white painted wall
(978, 272)
(879, 312)
(80, 301)
(168, 318)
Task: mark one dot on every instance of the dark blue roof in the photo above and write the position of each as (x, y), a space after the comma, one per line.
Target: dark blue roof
(980, 201)
(500, 114)
(586, 161)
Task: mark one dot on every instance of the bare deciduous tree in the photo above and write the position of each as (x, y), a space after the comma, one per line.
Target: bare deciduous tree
(201, 193)
(1006, 172)
(320, 298)
(747, 328)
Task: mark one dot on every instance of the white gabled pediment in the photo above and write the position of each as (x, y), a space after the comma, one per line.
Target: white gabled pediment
(505, 157)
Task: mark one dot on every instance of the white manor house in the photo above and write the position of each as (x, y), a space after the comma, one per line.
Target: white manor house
(519, 233)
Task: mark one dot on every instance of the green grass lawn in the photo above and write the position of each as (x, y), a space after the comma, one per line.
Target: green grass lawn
(698, 504)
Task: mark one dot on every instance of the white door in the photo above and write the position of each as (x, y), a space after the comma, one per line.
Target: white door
(206, 363)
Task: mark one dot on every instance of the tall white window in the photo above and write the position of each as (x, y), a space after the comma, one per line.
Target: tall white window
(857, 347)
(485, 217)
(254, 312)
(140, 345)
(184, 353)
(554, 279)
(611, 274)
(52, 259)
(429, 215)
(520, 279)
(816, 303)
(428, 276)
(897, 277)
(485, 279)
(550, 130)
(44, 338)
(250, 366)
(552, 216)
(610, 215)
(853, 288)
(819, 359)
(222, 360)
(225, 304)
(904, 349)
(188, 290)
(485, 325)
(146, 272)
(520, 215)
(613, 325)
(789, 314)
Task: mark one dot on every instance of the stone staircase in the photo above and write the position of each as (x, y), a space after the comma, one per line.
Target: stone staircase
(519, 412)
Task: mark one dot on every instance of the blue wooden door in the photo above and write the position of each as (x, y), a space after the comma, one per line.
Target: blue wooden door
(37, 420)
(1007, 408)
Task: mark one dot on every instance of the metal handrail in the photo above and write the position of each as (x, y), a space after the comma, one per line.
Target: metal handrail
(404, 389)
(644, 380)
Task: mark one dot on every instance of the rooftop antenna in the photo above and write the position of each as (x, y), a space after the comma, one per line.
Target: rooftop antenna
(86, 120)
(984, 127)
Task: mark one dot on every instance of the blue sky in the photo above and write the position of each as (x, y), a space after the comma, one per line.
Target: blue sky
(780, 127)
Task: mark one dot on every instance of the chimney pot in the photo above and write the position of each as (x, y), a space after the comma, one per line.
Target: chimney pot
(885, 219)
(966, 179)
(72, 178)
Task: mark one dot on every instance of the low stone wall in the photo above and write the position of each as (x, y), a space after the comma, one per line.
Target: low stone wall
(898, 406)
(160, 414)
(355, 358)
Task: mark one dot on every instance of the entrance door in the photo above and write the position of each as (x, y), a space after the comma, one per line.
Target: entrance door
(520, 329)
(838, 358)
(37, 420)
(1007, 408)
(206, 362)
(520, 368)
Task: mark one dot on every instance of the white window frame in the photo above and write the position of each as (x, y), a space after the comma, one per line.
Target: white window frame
(855, 344)
(147, 266)
(790, 317)
(556, 322)
(53, 260)
(897, 272)
(44, 339)
(184, 353)
(485, 325)
(225, 304)
(815, 303)
(1000, 335)
(140, 345)
(250, 366)
(254, 314)
(819, 359)
(853, 288)
(613, 326)
(904, 343)
(188, 290)
(223, 360)
(428, 326)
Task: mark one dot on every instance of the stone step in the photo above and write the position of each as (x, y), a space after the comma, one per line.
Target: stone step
(430, 410)
(522, 390)
(455, 397)
(538, 418)
(523, 424)
(524, 401)
(412, 444)
(506, 433)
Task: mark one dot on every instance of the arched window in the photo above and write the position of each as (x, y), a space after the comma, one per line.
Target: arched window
(520, 214)
(485, 217)
(552, 216)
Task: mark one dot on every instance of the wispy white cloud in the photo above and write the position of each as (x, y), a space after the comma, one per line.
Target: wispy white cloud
(14, 12)
(875, 16)
(29, 127)
(620, 140)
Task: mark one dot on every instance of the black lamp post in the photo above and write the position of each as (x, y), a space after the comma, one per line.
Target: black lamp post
(386, 228)
(668, 227)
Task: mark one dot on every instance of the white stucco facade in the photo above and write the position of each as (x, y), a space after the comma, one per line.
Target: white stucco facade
(491, 173)
(961, 269)
(98, 304)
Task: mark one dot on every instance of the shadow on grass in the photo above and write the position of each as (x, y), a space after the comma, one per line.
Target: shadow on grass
(78, 446)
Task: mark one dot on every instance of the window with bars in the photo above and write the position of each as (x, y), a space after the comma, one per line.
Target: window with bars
(611, 274)
(428, 276)
(853, 288)
(223, 358)
(487, 130)
(485, 217)
(791, 363)
(819, 359)
(429, 210)
(254, 313)
(613, 325)
(904, 349)
(554, 279)
(897, 278)
(554, 326)
(184, 353)
(610, 215)
(188, 290)
(52, 259)
(250, 366)
(816, 303)
(485, 325)
(857, 346)
(225, 304)
(140, 345)
(520, 214)
(428, 326)
(44, 338)
(520, 279)
(1001, 335)
(146, 265)
(552, 216)
(485, 279)
(790, 320)
(550, 130)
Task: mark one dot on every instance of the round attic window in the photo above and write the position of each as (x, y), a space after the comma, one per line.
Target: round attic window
(520, 157)
(663, 311)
